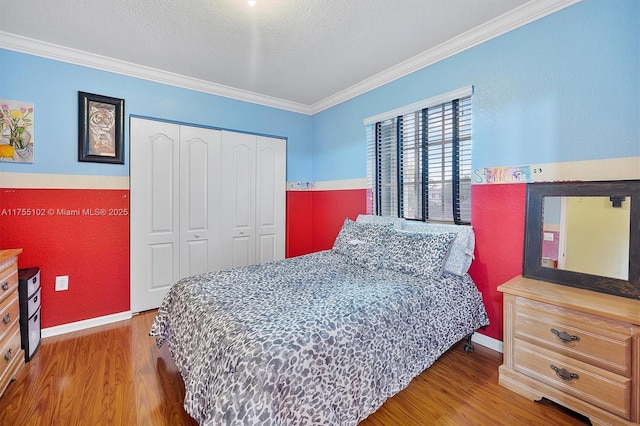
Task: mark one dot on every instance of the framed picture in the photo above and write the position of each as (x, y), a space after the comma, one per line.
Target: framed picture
(100, 128)
(16, 131)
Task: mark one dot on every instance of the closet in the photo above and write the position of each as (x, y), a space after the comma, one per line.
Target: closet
(201, 200)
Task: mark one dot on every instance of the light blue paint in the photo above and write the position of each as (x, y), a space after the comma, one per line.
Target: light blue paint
(53, 88)
(563, 88)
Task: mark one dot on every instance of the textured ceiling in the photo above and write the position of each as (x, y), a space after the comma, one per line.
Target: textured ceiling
(300, 51)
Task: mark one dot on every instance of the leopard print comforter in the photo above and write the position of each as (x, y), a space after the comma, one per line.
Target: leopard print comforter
(311, 340)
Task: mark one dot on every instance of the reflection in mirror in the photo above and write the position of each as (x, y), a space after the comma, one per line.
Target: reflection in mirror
(587, 234)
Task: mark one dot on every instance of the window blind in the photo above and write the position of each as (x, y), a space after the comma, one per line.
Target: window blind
(420, 163)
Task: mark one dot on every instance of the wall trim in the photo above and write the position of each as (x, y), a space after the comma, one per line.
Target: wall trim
(328, 185)
(487, 342)
(625, 168)
(529, 12)
(85, 324)
(604, 169)
(525, 14)
(57, 181)
(56, 52)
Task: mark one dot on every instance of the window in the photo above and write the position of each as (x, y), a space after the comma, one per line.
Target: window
(419, 161)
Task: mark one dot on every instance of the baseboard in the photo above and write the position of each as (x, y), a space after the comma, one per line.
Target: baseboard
(488, 342)
(83, 325)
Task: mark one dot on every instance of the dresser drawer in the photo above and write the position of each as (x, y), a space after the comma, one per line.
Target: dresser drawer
(8, 280)
(11, 357)
(9, 314)
(599, 387)
(595, 340)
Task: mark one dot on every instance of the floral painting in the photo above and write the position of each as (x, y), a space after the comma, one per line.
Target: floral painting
(16, 123)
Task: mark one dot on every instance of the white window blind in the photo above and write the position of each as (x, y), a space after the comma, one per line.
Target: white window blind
(419, 163)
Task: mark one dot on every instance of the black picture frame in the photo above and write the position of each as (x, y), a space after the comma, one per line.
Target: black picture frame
(100, 128)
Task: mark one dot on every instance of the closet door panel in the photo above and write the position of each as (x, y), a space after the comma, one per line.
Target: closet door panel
(238, 199)
(199, 192)
(270, 198)
(154, 220)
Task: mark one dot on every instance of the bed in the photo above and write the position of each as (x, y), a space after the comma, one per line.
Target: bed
(323, 338)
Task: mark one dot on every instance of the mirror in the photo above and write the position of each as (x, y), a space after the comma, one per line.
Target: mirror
(585, 234)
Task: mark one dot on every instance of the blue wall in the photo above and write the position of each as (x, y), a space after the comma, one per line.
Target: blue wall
(53, 88)
(563, 88)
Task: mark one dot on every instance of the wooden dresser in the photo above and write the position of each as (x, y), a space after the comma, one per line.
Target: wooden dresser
(11, 354)
(576, 347)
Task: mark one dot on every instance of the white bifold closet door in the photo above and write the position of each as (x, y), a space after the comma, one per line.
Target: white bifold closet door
(253, 199)
(201, 200)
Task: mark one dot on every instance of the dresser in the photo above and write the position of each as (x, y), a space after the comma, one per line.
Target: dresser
(578, 348)
(11, 354)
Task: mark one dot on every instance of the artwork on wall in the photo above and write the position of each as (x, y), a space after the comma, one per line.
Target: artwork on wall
(100, 128)
(16, 126)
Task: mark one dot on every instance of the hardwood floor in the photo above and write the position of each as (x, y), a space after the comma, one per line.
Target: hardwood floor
(115, 375)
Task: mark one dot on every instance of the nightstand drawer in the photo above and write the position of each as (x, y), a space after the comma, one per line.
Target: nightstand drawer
(9, 314)
(599, 387)
(603, 343)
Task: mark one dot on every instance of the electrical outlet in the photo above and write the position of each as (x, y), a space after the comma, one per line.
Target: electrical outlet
(62, 283)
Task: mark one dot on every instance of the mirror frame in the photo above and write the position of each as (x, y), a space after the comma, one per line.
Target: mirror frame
(532, 265)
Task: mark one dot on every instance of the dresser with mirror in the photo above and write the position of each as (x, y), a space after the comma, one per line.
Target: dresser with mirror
(572, 320)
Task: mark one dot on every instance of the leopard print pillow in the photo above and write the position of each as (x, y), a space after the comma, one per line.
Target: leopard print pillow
(417, 253)
(362, 243)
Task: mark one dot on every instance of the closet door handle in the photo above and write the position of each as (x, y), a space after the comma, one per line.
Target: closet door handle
(565, 337)
(7, 318)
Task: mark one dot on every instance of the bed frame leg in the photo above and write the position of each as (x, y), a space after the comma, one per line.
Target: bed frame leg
(468, 346)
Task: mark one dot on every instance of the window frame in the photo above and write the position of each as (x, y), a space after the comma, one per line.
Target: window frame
(455, 112)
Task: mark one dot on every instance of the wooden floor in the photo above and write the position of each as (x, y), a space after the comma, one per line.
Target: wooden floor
(115, 375)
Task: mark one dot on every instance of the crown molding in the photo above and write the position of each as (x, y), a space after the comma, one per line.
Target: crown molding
(512, 20)
(529, 12)
(78, 57)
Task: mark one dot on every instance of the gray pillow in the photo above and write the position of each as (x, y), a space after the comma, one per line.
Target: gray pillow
(419, 254)
(396, 222)
(362, 243)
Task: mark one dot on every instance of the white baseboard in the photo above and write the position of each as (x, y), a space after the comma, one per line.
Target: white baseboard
(83, 325)
(488, 342)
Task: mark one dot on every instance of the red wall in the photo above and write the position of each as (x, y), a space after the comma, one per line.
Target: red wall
(92, 248)
(330, 208)
(315, 217)
(299, 223)
(498, 221)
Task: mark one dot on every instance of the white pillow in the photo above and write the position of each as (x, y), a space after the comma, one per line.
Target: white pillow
(461, 253)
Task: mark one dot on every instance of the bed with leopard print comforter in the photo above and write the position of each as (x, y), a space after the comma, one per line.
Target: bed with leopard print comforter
(308, 340)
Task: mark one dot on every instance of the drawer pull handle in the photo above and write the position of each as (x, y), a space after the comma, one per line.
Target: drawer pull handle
(7, 318)
(564, 374)
(8, 355)
(565, 337)
(5, 286)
